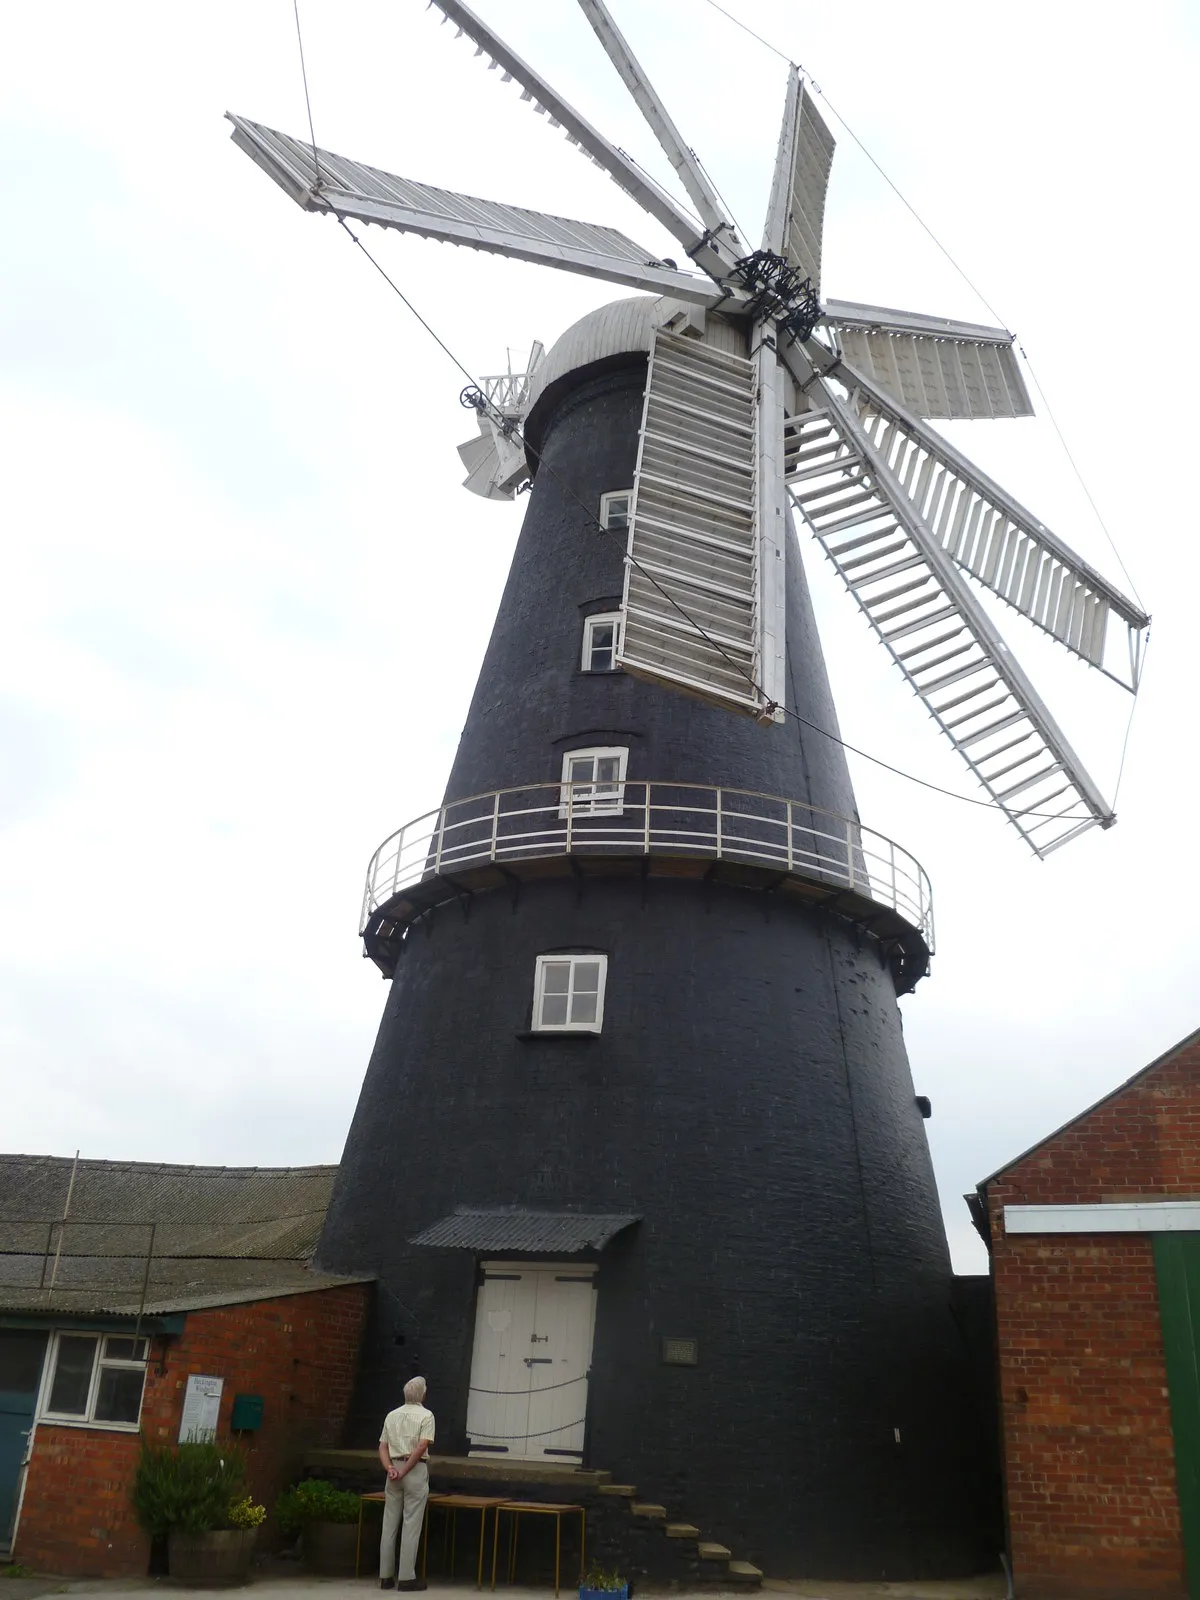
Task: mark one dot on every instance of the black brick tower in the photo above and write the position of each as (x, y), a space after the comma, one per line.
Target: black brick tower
(748, 1097)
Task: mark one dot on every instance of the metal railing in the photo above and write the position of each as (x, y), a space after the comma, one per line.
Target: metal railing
(649, 818)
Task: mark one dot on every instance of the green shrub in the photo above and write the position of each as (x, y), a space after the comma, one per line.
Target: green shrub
(602, 1578)
(245, 1514)
(314, 1500)
(192, 1487)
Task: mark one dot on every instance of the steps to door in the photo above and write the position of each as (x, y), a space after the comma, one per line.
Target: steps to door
(638, 1537)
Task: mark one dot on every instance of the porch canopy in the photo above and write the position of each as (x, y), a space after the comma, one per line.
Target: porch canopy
(531, 1232)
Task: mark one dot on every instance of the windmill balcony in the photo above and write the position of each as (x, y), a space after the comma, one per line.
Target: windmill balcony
(761, 842)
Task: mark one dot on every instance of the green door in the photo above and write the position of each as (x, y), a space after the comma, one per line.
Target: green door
(21, 1356)
(1177, 1261)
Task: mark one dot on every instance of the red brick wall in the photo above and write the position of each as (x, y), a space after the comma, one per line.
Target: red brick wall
(1089, 1456)
(299, 1353)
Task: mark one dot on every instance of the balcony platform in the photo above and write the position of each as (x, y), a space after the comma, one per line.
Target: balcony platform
(501, 841)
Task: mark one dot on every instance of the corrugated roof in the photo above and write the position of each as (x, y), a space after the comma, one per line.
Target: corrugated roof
(211, 1235)
(540, 1232)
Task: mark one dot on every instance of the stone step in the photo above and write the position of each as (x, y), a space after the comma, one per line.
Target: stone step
(710, 1551)
(650, 1512)
(682, 1530)
(629, 1490)
(745, 1573)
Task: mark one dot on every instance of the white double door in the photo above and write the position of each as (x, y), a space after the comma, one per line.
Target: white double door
(533, 1349)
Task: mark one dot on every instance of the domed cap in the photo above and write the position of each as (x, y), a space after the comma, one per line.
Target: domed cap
(622, 329)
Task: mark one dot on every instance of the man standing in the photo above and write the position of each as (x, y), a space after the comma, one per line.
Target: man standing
(406, 1437)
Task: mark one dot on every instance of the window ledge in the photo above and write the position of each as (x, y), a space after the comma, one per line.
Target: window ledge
(95, 1427)
(558, 1033)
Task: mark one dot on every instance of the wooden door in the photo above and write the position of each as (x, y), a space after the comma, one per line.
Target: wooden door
(533, 1348)
(21, 1356)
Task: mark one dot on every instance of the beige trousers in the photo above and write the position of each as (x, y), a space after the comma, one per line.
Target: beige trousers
(403, 1509)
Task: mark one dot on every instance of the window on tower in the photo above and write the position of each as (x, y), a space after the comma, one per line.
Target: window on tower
(614, 509)
(593, 782)
(601, 636)
(568, 993)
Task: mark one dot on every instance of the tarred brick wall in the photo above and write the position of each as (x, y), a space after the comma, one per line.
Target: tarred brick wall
(1089, 1455)
(299, 1353)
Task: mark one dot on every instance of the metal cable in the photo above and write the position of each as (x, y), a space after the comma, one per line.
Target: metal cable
(1082, 484)
(1129, 723)
(988, 805)
(308, 103)
(542, 1433)
(969, 281)
(566, 1384)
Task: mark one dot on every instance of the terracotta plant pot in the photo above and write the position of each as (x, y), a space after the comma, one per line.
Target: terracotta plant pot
(216, 1560)
(330, 1549)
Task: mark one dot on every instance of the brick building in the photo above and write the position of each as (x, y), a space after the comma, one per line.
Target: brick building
(119, 1283)
(1095, 1243)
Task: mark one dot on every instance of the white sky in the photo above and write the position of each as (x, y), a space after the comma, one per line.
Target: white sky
(245, 599)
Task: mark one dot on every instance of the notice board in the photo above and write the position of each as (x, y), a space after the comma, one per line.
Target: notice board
(201, 1408)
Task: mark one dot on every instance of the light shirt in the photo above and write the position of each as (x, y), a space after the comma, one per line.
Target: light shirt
(404, 1428)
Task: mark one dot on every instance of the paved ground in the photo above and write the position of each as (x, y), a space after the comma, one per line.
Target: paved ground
(305, 1588)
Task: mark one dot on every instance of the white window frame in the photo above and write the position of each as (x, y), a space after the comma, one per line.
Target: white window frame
(539, 991)
(100, 1360)
(606, 501)
(589, 627)
(579, 802)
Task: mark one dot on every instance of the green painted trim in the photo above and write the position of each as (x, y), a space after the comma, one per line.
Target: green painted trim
(1177, 1263)
(172, 1323)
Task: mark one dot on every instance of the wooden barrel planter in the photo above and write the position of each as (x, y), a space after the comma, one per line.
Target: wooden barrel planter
(330, 1548)
(219, 1559)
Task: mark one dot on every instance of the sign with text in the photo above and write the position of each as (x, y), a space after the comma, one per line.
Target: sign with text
(201, 1408)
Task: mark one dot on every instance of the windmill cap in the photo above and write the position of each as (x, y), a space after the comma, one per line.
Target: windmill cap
(604, 339)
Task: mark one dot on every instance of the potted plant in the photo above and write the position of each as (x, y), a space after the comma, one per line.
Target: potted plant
(598, 1583)
(194, 1496)
(326, 1518)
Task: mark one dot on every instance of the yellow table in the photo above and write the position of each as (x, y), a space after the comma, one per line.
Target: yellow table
(454, 1503)
(538, 1508)
(362, 1500)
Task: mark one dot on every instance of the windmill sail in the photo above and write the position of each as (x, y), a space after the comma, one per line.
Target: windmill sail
(932, 365)
(934, 628)
(796, 209)
(344, 188)
(711, 255)
(691, 604)
(701, 193)
(996, 540)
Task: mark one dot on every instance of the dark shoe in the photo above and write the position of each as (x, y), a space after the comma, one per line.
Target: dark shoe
(387, 1583)
(412, 1583)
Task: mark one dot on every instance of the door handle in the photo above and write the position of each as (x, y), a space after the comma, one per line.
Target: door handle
(539, 1361)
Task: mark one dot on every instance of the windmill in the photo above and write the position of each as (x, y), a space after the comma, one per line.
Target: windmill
(645, 957)
(829, 407)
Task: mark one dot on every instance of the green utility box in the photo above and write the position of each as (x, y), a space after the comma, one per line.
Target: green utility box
(247, 1413)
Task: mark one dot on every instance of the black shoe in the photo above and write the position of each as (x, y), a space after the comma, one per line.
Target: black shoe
(412, 1583)
(387, 1583)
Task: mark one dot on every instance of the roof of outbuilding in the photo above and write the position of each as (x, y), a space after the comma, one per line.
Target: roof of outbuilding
(533, 1232)
(186, 1236)
(1159, 1061)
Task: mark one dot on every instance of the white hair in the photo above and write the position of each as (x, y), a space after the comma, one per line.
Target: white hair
(414, 1391)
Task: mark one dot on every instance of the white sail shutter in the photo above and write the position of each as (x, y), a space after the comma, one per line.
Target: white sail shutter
(692, 602)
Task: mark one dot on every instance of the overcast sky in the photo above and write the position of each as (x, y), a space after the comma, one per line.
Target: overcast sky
(245, 598)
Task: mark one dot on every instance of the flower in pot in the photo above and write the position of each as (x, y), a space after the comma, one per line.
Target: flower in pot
(599, 1583)
(326, 1518)
(194, 1497)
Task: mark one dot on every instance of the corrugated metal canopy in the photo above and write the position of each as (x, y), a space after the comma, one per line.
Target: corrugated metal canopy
(540, 1232)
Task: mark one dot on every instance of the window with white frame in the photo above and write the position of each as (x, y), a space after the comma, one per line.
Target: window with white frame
(601, 637)
(568, 993)
(614, 509)
(96, 1378)
(593, 782)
